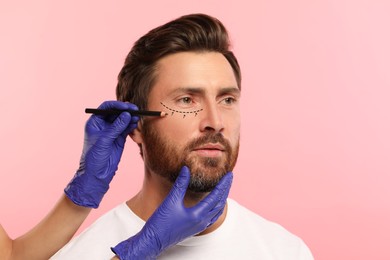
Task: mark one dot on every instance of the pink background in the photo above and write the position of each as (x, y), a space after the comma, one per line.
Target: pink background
(315, 142)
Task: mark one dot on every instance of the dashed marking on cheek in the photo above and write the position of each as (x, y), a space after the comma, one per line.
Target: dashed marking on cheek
(184, 113)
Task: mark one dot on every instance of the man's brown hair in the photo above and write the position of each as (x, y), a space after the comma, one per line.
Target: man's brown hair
(194, 32)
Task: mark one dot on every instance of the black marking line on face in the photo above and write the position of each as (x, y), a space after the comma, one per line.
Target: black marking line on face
(184, 113)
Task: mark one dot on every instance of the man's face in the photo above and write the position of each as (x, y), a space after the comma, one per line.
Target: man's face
(200, 94)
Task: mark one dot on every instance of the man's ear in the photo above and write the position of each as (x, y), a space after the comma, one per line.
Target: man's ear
(136, 134)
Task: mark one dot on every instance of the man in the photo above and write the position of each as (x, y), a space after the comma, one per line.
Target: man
(186, 69)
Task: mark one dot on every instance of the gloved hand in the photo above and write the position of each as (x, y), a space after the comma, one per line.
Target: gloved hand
(172, 222)
(104, 140)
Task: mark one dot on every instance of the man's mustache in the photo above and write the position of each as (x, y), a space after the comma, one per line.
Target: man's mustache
(209, 138)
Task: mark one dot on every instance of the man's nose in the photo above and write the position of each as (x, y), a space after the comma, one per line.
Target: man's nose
(211, 119)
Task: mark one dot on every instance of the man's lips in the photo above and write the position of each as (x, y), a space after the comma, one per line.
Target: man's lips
(211, 146)
(210, 150)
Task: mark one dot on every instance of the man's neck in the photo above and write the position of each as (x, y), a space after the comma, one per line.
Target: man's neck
(154, 190)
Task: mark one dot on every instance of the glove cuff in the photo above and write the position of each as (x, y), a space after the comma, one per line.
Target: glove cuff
(78, 197)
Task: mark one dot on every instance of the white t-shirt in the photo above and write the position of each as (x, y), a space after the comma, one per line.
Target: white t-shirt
(243, 235)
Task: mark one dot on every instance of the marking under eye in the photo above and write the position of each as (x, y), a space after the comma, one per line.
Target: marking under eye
(184, 113)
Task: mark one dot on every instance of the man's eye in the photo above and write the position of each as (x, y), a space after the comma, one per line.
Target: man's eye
(186, 100)
(229, 100)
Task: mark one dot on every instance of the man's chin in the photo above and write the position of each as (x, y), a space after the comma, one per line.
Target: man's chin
(200, 189)
(205, 179)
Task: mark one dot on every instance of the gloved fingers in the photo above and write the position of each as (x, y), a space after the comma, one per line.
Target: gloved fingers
(113, 133)
(215, 212)
(216, 216)
(180, 186)
(133, 122)
(134, 119)
(225, 192)
(117, 105)
(119, 126)
(131, 127)
(217, 196)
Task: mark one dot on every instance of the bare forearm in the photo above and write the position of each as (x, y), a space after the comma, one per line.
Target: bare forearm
(53, 232)
(5, 244)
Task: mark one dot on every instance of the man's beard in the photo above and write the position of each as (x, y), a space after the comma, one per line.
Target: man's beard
(166, 160)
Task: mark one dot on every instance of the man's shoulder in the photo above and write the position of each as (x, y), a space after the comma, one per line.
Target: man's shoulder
(238, 211)
(258, 231)
(258, 226)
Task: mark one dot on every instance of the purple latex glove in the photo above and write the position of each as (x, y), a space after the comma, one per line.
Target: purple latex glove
(172, 222)
(104, 140)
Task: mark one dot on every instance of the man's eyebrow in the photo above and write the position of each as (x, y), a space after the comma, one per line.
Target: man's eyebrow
(230, 90)
(194, 90)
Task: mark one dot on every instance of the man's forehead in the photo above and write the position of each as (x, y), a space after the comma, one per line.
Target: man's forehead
(194, 72)
(181, 62)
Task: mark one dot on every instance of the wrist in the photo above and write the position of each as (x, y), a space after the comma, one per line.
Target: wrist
(75, 207)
